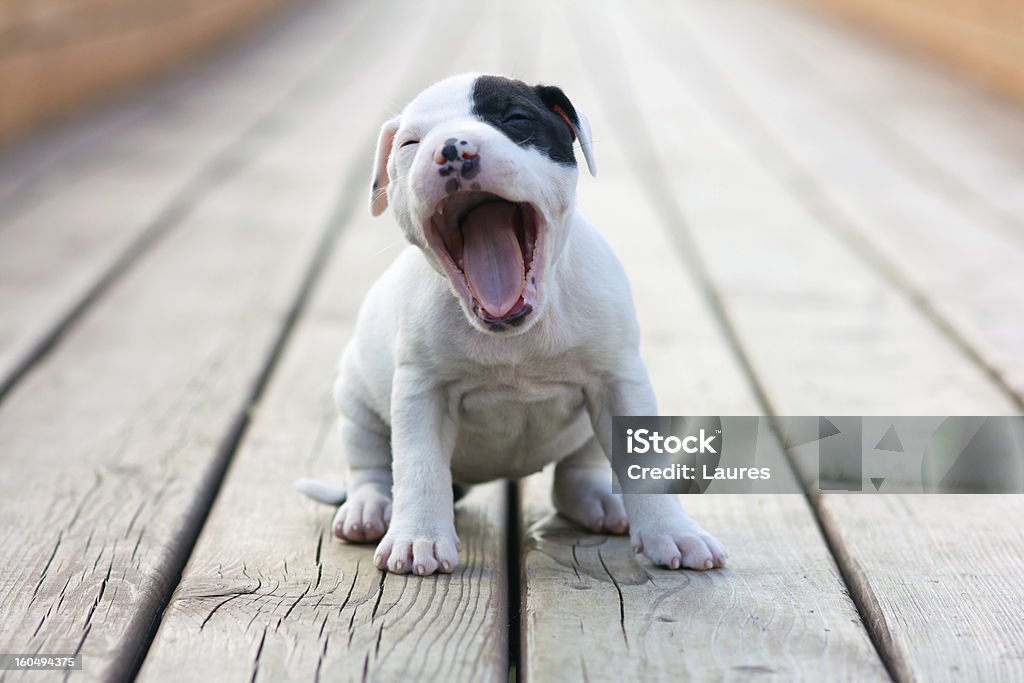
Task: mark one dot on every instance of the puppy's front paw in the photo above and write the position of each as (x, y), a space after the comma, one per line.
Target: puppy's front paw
(364, 516)
(680, 544)
(419, 551)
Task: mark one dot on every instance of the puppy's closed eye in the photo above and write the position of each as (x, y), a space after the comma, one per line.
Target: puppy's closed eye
(515, 116)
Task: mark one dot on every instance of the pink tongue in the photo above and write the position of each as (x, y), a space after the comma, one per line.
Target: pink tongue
(491, 257)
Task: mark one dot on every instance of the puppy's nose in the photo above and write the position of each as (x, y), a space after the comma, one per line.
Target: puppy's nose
(453, 149)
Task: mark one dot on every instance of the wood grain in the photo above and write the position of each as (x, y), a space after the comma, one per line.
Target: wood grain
(593, 611)
(128, 424)
(277, 597)
(940, 578)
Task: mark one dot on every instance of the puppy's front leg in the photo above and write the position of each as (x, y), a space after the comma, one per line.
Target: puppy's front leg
(421, 537)
(658, 526)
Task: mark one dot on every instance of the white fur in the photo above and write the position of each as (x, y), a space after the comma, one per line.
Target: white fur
(428, 395)
(321, 492)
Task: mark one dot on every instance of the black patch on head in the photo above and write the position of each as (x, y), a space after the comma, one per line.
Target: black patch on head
(526, 114)
(452, 186)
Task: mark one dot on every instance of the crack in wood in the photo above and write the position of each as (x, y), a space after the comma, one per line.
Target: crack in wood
(622, 602)
(380, 635)
(380, 595)
(293, 606)
(42, 575)
(323, 653)
(135, 517)
(138, 540)
(98, 479)
(323, 624)
(256, 659)
(217, 607)
(99, 595)
(576, 563)
(319, 564)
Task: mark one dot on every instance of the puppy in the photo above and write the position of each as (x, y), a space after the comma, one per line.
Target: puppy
(501, 340)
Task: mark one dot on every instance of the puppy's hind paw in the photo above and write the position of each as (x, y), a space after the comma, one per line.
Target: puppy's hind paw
(418, 553)
(599, 511)
(585, 496)
(364, 517)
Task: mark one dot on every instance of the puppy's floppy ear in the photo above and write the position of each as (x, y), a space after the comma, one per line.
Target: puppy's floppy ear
(577, 121)
(379, 184)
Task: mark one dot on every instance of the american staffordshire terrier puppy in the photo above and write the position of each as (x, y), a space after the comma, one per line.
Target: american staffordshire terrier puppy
(501, 340)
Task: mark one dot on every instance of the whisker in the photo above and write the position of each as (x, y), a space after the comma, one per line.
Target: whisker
(389, 246)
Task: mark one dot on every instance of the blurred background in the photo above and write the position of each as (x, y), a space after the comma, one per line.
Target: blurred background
(57, 56)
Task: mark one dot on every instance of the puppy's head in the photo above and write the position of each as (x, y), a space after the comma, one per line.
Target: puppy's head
(481, 175)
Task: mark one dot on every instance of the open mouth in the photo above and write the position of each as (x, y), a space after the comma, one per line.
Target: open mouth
(488, 246)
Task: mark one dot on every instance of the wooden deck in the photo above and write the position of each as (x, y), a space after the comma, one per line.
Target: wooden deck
(813, 224)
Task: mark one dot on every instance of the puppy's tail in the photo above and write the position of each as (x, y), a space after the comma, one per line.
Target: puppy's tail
(321, 491)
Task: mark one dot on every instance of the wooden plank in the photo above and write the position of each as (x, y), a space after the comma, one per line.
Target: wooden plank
(114, 197)
(969, 146)
(909, 229)
(593, 610)
(128, 425)
(275, 596)
(826, 344)
(940, 578)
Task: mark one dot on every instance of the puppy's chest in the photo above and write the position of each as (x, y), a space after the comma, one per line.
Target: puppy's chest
(527, 385)
(513, 425)
(521, 406)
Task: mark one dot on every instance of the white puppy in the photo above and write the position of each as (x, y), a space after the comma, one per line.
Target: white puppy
(502, 340)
